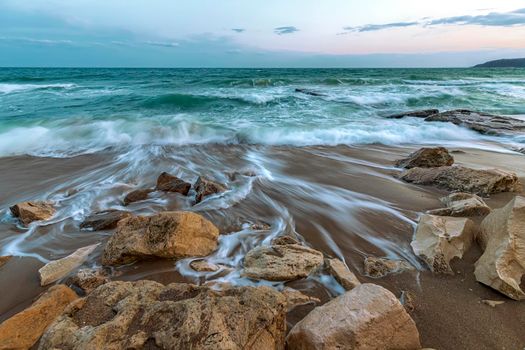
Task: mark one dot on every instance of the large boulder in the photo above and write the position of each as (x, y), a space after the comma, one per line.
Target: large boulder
(367, 317)
(439, 239)
(138, 195)
(57, 269)
(27, 212)
(205, 187)
(426, 158)
(380, 267)
(149, 315)
(104, 220)
(502, 265)
(341, 273)
(173, 235)
(170, 183)
(281, 262)
(462, 179)
(22, 331)
(462, 204)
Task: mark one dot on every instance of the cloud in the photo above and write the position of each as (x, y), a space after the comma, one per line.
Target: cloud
(161, 43)
(285, 30)
(374, 27)
(38, 41)
(239, 30)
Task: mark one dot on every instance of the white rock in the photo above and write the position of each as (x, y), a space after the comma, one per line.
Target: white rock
(57, 269)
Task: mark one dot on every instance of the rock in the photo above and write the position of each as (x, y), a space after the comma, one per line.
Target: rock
(22, 331)
(341, 273)
(459, 178)
(296, 298)
(204, 266)
(492, 303)
(407, 299)
(57, 269)
(380, 267)
(502, 264)
(439, 239)
(137, 195)
(28, 212)
(284, 240)
(149, 315)
(104, 220)
(462, 204)
(172, 235)
(417, 114)
(426, 158)
(169, 183)
(309, 92)
(367, 317)
(4, 259)
(205, 187)
(481, 122)
(281, 262)
(89, 279)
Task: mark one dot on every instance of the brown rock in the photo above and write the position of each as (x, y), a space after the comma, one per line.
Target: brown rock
(426, 158)
(206, 187)
(137, 195)
(281, 262)
(380, 267)
(57, 269)
(367, 317)
(204, 266)
(296, 298)
(104, 220)
(169, 183)
(462, 204)
(148, 315)
(28, 212)
(439, 239)
(22, 331)
(417, 114)
(4, 259)
(284, 240)
(459, 178)
(89, 279)
(502, 264)
(408, 300)
(342, 273)
(172, 235)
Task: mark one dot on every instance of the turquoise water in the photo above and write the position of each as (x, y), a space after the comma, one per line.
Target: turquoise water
(61, 112)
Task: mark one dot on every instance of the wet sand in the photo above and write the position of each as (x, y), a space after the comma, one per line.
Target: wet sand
(344, 201)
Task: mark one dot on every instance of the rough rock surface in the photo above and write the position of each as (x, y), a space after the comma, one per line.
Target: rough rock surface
(28, 212)
(367, 317)
(206, 187)
(480, 122)
(204, 266)
(89, 279)
(4, 259)
(341, 273)
(149, 315)
(502, 265)
(137, 195)
(459, 178)
(170, 183)
(380, 267)
(297, 298)
(172, 235)
(104, 220)
(281, 262)
(418, 114)
(22, 331)
(284, 240)
(57, 269)
(426, 158)
(462, 204)
(439, 239)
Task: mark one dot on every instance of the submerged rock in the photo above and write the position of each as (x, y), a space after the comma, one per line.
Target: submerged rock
(309, 92)
(462, 204)
(417, 114)
(459, 178)
(281, 262)
(206, 187)
(89, 279)
(28, 212)
(172, 235)
(149, 315)
(380, 267)
(22, 331)
(137, 195)
(342, 273)
(439, 239)
(170, 183)
(57, 269)
(367, 317)
(502, 264)
(104, 220)
(481, 122)
(4, 259)
(296, 298)
(426, 158)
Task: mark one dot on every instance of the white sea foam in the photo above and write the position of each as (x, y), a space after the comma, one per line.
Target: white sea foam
(6, 88)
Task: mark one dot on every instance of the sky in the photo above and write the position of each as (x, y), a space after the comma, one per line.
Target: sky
(256, 33)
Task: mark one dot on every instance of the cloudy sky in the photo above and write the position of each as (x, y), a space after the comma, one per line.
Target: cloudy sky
(256, 33)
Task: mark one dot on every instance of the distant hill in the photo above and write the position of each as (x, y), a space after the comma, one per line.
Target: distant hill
(506, 63)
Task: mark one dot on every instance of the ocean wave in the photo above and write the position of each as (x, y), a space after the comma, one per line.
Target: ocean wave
(7, 88)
